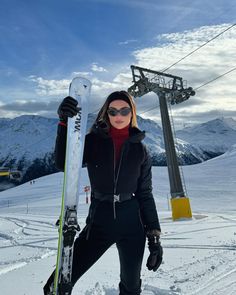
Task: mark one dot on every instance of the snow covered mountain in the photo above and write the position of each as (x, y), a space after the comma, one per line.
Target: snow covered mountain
(193, 144)
(26, 137)
(214, 137)
(27, 142)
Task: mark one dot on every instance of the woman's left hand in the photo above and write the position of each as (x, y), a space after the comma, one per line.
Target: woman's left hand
(156, 251)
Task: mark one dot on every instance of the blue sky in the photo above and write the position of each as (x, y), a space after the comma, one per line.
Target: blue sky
(45, 43)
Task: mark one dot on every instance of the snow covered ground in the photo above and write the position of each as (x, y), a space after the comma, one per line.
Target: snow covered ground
(199, 254)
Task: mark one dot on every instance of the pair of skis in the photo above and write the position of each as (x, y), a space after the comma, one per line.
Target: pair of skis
(68, 227)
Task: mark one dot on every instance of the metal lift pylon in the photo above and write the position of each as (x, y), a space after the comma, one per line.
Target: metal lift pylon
(171, 88)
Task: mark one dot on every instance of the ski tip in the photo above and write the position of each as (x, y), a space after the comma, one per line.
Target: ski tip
(82, 81)
(80, 86)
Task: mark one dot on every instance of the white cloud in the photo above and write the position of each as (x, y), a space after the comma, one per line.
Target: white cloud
(47, 87)
(59, 89)
(216, 56)
(82, 74)
(100, 87)
(210, 61)
(127, 42)
(123, 79)
(96, 68)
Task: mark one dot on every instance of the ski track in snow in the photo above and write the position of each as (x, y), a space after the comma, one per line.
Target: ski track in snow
(24, 234)
(208, 271)
(147, 290)
(30, 228)
(199, 254)
(222, 283)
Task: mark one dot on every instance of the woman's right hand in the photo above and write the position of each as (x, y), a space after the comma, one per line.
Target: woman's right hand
(67, 108)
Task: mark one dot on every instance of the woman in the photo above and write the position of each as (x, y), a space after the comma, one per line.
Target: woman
(122, 209)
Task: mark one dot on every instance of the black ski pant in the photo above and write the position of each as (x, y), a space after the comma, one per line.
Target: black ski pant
(126, 231)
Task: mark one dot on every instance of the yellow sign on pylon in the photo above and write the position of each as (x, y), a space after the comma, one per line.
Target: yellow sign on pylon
(4, 173)
(180, 208)
(12, 174)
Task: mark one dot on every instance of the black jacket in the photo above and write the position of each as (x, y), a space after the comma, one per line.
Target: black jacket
(131, 175)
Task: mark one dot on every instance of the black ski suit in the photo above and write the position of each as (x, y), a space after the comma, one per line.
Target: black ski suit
(121, 219)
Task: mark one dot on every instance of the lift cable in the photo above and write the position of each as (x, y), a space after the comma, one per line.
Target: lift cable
(177, 152)
(207, 42)
(153, 108)
(215, 79)
(206, 83)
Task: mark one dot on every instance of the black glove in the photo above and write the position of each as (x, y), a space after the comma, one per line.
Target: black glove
(68, 108)
(156, 252)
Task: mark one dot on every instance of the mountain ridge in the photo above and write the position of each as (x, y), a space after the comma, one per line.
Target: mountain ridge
(27, 142)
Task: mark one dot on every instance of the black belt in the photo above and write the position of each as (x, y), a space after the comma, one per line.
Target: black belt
(112, 197)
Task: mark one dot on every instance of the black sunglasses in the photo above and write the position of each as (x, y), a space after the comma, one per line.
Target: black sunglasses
(114, 112)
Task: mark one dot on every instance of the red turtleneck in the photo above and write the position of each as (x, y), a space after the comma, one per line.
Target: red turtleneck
(119, 136)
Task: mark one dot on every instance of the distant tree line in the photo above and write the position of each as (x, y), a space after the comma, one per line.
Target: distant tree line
(40, 167)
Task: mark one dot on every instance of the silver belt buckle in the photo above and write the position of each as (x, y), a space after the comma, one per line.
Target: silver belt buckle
(117, 198)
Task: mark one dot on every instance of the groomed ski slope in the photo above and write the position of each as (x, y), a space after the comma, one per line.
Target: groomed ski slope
(199, 254)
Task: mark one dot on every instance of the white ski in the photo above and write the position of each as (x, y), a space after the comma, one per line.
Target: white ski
(76, 131)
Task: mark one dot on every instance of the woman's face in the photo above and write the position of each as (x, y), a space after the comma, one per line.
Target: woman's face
(119, 121)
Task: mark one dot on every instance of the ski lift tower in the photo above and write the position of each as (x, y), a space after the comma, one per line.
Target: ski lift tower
(168, 88)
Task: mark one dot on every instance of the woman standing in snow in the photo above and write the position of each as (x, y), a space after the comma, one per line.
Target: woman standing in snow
(122, 209)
